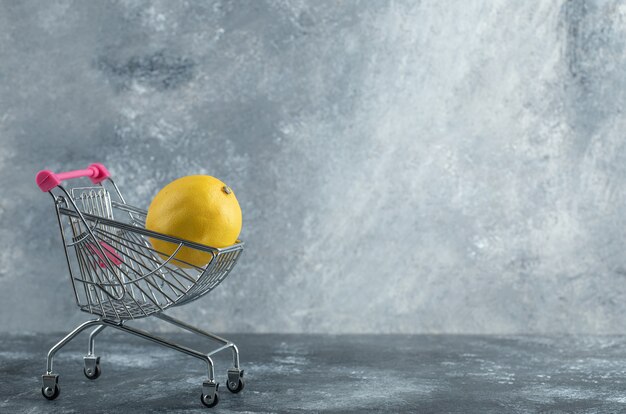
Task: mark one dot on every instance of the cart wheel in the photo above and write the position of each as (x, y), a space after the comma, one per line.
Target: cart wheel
(235, 388)
(49, 393)
(92, 375)
(205, 400)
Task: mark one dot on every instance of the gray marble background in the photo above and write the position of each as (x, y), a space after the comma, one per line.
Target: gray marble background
(402, 166)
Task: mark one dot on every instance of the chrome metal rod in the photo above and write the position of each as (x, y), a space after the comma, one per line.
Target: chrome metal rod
(125, 226)
(191, 328)
(67, 339)
(220, 349)
(234, 350)
(162, 341)
(92, 338)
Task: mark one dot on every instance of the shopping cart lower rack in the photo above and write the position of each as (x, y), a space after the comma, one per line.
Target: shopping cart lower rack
(117, 275)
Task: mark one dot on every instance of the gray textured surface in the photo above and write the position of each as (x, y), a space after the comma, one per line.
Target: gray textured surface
(402, 166)
(314, 373)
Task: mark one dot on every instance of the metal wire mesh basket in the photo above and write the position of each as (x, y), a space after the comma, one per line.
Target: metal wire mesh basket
(117, 273)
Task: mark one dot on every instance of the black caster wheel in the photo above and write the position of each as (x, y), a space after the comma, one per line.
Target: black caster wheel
(235, 388)
(49, 393)
(205, 400)
(92, 375)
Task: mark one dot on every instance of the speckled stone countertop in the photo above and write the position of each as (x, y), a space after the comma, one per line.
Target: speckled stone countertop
(318, 373)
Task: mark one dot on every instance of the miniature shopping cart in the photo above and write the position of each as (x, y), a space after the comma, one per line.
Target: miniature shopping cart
(117, 275)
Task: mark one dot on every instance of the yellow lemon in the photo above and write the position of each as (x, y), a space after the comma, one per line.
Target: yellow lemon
(197, 208)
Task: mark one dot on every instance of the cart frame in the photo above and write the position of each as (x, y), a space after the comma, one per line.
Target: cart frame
(123, 278)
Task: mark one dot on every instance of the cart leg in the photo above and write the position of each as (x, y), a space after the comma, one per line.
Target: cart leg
(227, 344)
(92, 339)
(50, 388)
(92, 362)
(209, 395)
(235, 374)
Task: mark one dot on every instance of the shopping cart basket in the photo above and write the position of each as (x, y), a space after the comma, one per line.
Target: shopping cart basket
(117, 275)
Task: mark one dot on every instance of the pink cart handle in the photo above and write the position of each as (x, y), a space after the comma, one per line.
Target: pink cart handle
(47, 180)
